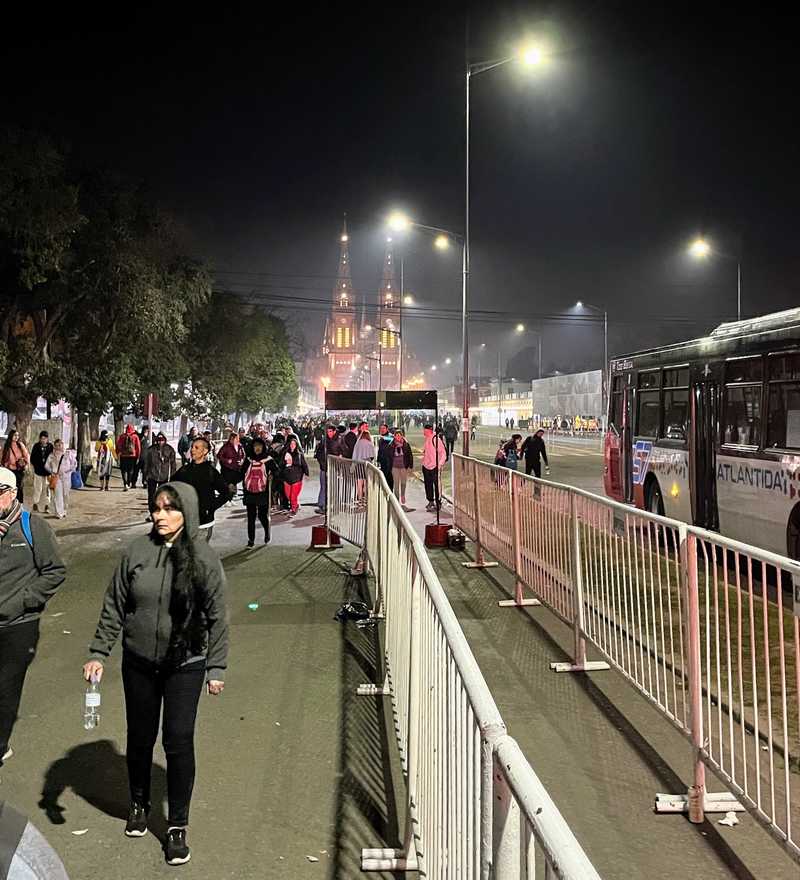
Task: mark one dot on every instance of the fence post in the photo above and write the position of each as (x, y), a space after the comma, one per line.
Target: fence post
(516, 539)
(479, 562)
(579, 661)
(697, 791)
(506, 829)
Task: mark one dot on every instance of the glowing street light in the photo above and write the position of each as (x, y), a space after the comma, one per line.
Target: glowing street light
(700, 249)
(441, 242)
(408, 300)
(398, 221)
(448, 361)
(520, 328)
(530, 55)
(433, 366)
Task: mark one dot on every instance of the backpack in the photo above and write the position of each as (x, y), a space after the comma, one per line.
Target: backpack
(255, 479)
(126, 447)
(25, 523)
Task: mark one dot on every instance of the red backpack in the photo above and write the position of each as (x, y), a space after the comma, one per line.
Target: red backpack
(255, 479)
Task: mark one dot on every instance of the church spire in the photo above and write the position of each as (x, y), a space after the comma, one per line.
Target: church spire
(343, 289)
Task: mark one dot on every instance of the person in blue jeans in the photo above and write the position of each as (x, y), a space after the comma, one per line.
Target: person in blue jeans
(331, 444)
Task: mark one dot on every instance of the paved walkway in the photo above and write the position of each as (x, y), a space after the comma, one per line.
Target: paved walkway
(291, 763)
(602, 751)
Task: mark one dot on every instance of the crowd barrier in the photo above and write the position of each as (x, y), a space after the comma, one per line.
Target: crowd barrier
(475, 807)
(699, 624)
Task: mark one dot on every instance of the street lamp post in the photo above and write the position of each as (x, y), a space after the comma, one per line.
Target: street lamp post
(700, 249)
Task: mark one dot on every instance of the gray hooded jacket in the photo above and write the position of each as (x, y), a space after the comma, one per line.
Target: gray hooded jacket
(138, 598)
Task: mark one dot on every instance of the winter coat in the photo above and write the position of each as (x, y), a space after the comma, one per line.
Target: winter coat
(349, 441)
(385, 454)
(29, 576)
(17, 457)
(406, 460)
(159, 464)
(294, 472)
(144, 443)
(208, 482)
(137, 600)
(39, 455)
(122, 441)
(259, 499)
(326, 447)
(532, 448)
(230, 456)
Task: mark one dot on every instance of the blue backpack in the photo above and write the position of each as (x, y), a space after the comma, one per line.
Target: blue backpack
(25, 522)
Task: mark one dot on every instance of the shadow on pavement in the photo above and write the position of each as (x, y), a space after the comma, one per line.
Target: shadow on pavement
(97, 772)
(366, 800)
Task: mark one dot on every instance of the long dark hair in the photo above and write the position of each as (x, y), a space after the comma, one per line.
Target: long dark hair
(187, 634)
(7, 444)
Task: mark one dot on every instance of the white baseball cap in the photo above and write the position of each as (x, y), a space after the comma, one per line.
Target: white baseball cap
(7, 478)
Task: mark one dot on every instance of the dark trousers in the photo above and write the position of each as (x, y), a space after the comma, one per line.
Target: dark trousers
(152, 488)
(127, 467)
(535, 466)
(231, 476)
(17, 650)
(145, 689)
(138, 471)
(20, 477)
(431, 485)
(262, 511)
(387, 472)
(450, 443)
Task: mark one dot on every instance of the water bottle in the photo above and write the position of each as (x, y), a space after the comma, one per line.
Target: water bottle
(91, 705)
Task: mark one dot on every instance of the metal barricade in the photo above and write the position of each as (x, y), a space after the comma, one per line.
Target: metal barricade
(475, 807)
(695, 621)
(347, 498)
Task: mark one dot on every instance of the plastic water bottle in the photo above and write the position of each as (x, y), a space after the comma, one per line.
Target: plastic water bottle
(91, 705)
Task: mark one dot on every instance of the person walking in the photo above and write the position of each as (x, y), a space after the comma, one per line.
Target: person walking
(450, 434)
(212, 488)
(185, 444)
(31, 571)
(434, 456)
(533, 450)
(159, 468)
(363, 451)
(16, 458)
(402, 464)
(106, 455)
(231, 458)
(128, 451)
(59, 466)
(511, 452)
(330, 445)
(258, 467)
(295, 467)
(167, 598)
(350, 439)
(385, 454)
(144, 444)
(39, 455)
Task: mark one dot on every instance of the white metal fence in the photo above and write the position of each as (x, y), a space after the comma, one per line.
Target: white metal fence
(476, 808)
(698, 623)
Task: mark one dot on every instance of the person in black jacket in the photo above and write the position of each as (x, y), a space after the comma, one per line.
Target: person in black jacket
(349, 440)
(294, 469)
(385, 454)
(258, 467)
(208, 482)
(39, 455)
(532, 450)
(330, 445)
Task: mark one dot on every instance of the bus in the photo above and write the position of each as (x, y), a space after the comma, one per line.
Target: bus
(708, 431)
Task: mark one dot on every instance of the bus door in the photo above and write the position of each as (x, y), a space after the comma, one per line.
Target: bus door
(704, 418)
(626, 444)
(617, 474)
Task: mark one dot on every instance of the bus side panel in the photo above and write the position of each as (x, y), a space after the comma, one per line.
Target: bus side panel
(671, 469)
(755, 497)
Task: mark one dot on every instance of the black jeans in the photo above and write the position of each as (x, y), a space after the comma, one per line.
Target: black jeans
(17, 650)
(535, 466)
(138, 471)
(127, 467)
(262, 510)
(451, 442)
(431, 485)
(20, 478)
(145, 688)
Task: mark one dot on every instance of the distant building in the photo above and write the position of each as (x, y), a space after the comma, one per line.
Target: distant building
(341, 340)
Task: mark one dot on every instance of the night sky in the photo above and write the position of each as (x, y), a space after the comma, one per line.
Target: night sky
(650, 124)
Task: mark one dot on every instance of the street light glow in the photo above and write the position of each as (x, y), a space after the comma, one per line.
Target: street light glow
(520, 328)
(448, 361)
(408, 300)
(433, 366)
(531, 55)
(579, 304)
(398, 221)
(699, 248)
(441, 242)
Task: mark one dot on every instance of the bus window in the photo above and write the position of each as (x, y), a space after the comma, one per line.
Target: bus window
(648, 404)
(615, 416)
(742, 421)
(675, 411)
(783, 408)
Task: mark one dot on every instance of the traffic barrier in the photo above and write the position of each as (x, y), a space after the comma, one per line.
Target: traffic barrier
(475, 806)
(695, 621)
(347, 499)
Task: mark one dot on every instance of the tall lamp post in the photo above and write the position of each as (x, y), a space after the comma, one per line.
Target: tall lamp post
(700, 249)
(582, 304)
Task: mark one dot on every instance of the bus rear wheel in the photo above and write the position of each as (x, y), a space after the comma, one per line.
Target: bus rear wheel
(655, 501)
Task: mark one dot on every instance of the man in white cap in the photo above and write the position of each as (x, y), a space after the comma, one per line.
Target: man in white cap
(31, 571)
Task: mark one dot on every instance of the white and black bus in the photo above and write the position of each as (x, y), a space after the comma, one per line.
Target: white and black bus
(708, 431)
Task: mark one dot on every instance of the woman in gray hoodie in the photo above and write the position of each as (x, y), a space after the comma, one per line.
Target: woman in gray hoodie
(167, 599)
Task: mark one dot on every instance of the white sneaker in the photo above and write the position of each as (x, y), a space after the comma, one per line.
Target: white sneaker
(8, 754)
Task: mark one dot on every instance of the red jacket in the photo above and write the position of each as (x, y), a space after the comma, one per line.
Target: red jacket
(137, 445)
(231, 456)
